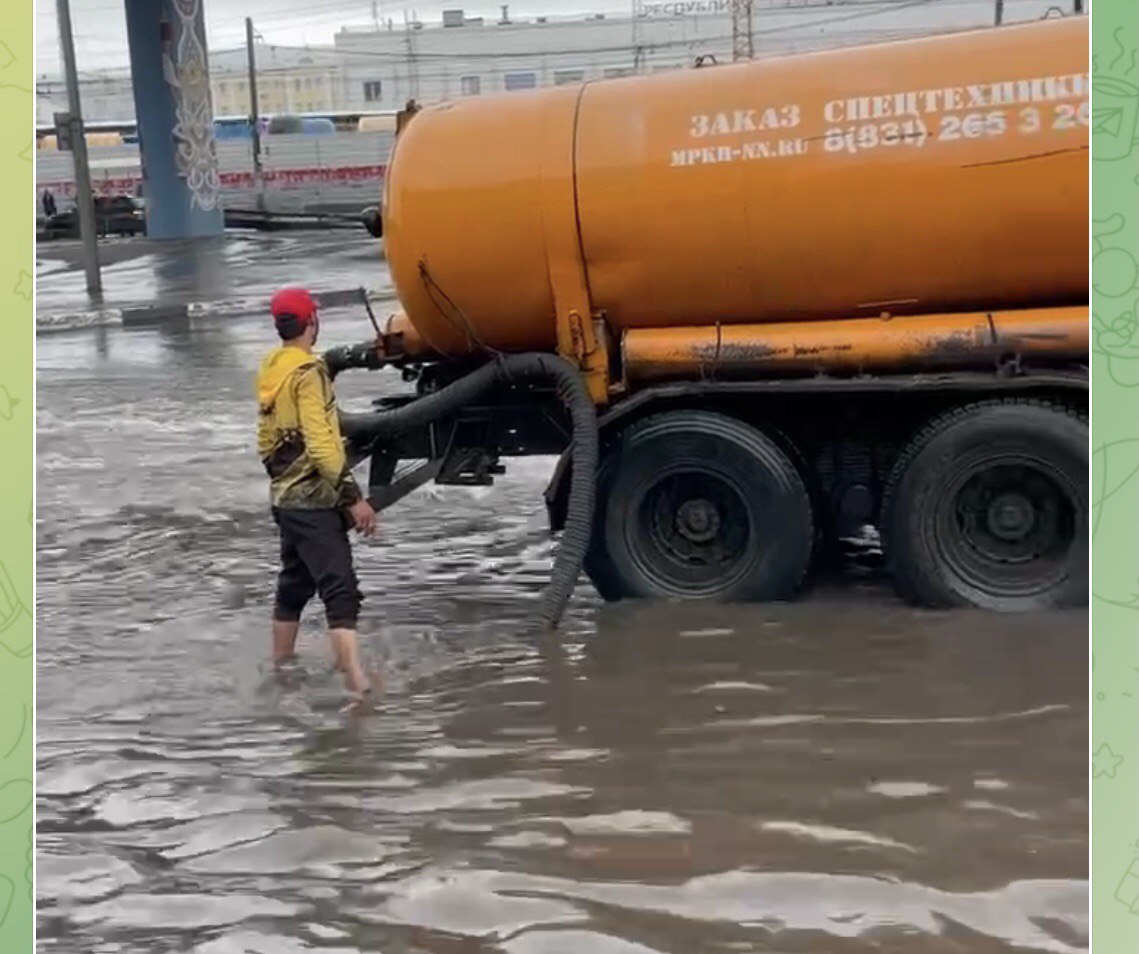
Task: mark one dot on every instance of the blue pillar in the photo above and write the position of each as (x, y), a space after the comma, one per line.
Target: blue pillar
(171, 79)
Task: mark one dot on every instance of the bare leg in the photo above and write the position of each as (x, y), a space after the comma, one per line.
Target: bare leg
(346, 656)
(284, 640)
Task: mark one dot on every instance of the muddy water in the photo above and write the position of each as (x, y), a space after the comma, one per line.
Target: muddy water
(839, 775)
(137, 272)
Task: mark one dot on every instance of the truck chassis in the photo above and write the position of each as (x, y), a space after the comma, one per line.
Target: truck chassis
(730, 490)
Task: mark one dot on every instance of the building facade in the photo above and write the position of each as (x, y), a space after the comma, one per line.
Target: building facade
(380, 68)
(107, 96)
(384, 68)
(465, 56)
(289, 80)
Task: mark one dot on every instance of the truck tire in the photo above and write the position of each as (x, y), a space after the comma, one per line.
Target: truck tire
(697, 505)
(988, 507)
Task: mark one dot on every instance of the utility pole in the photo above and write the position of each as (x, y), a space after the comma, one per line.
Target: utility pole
(84, 203)
(414, 55)
(1079, 6)
(1000, 12)
(254, 114)
(638, 49)
(412, 66)
(743, 45)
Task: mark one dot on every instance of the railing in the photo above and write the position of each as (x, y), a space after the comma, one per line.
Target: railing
(339, 172)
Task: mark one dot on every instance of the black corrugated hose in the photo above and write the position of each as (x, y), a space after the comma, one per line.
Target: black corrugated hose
(386, 424)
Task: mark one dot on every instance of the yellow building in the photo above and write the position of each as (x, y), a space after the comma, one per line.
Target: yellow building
(296, 89)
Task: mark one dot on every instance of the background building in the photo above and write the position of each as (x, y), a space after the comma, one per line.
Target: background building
(289, 80)
(106, 96)
(464, 56)
(381, 67)
(467, 57)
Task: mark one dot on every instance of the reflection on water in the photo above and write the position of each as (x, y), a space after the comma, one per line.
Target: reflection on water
(842, 774)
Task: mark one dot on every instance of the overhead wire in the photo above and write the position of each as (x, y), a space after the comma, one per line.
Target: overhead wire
(620, 52)
(397, 55)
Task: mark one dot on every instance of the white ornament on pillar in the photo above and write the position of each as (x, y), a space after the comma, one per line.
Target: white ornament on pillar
(186, 70)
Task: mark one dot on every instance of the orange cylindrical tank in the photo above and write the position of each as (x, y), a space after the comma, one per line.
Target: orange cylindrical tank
(939, 175)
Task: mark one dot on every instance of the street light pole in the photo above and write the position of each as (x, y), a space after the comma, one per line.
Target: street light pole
(254, 114)
(84, 204)
(743, 39)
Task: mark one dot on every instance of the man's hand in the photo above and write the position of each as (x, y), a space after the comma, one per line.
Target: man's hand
(363, 517)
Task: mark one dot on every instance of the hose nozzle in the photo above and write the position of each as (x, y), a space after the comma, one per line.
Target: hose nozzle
(366, 354)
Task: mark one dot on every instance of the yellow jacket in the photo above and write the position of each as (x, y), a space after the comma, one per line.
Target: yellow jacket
(298, 433)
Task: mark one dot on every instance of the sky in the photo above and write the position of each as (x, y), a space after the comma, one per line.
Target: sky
(101, 35)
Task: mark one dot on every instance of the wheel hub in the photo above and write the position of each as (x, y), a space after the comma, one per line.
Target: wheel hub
(698, 520)
(1008, 528)
(1011, 517)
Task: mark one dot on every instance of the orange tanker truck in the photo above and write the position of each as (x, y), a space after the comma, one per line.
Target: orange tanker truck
(755, 307)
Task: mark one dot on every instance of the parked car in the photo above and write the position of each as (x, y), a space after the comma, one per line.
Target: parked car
(372, 220)
(114, 215)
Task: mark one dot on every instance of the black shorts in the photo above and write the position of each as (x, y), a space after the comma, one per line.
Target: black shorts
(316, 557)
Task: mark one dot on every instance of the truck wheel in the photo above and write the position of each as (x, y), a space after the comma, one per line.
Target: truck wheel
(696, 505)
(988, 507)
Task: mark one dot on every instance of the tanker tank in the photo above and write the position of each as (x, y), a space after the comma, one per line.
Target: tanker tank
(939, 175)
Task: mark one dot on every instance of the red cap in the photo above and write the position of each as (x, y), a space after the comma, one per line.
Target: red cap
(294, 302)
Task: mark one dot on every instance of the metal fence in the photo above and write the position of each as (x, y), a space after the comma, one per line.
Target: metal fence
(339, 172)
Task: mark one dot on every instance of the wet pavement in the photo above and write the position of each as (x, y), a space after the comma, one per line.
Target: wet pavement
(843, 774)
(141, 272)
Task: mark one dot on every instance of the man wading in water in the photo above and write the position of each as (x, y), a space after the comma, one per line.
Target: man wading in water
(314, 497)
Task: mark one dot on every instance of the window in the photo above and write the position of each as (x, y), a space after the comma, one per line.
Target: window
(525, 80)
(564, 77)
(615, 71)
(373, 91)
(470, 85)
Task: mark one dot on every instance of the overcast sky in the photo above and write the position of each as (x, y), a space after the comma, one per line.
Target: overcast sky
(101, 33)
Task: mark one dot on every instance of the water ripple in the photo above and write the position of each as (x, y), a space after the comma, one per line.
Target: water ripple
(843, 774)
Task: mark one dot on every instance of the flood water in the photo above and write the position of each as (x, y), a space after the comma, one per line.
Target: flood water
(137, 272)
(839, 775)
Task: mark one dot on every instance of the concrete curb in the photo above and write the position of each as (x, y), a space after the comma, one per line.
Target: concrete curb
(148, 315)
(78, 321)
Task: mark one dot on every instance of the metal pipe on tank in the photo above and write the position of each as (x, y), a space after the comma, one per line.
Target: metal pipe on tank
(851, 346)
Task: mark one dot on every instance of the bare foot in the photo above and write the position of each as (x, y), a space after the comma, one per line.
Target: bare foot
(364, 700)
(287, 671)
(358, 703)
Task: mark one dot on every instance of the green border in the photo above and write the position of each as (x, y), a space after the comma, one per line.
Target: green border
(17, 398)
(1115, 479)
(1115, 476)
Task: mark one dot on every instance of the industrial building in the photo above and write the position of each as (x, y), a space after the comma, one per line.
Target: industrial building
(382, 66)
